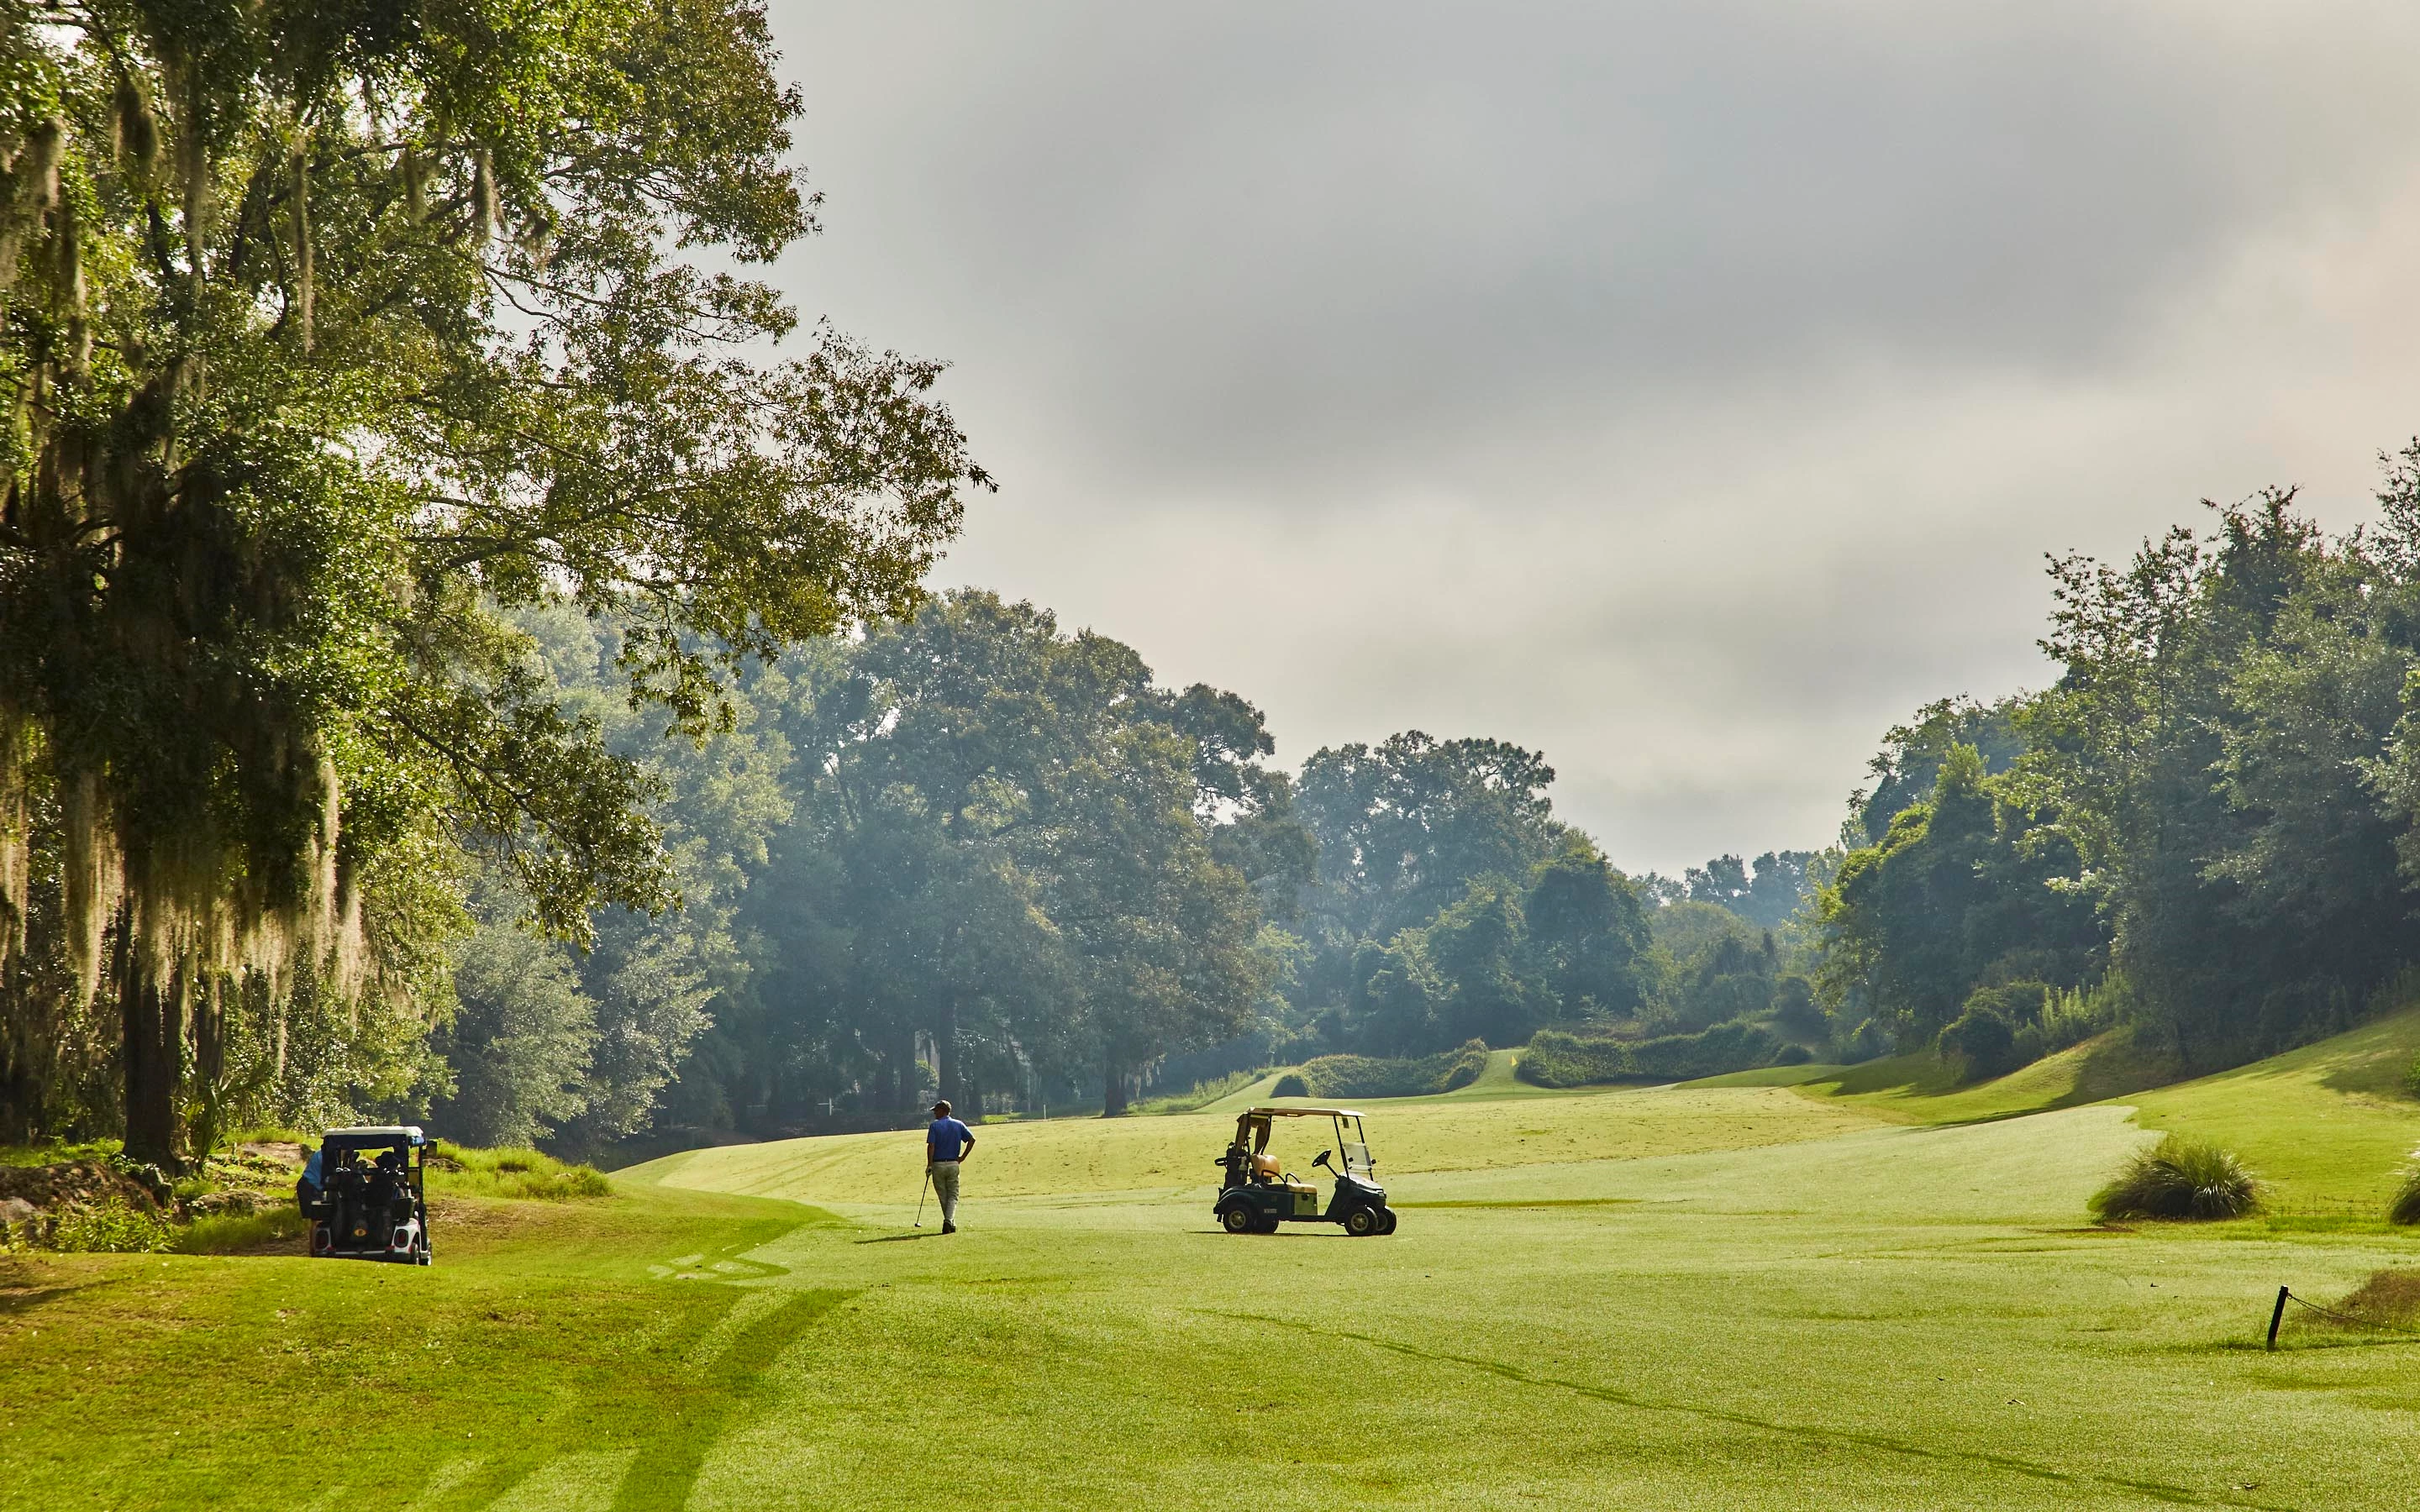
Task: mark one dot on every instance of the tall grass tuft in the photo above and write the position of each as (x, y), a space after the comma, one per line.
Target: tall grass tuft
(2180, 1178)
(511, 1172)
(2405, 1208)
(111, 1228)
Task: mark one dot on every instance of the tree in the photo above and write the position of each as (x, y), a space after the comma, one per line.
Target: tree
(1960, 892)
(1007, 843)
(1589, 928)
(332, 332)
(519, 1041)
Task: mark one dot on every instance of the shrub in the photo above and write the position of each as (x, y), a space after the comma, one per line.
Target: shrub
(1291, 1085)
(2405, 1209)
(2411, 1077)
(1793, 1054)
(1982, 1042)
(2179, 1178)
(1715, 1052)
(1338, 1076)
(111, 1229)
(1554, 1059)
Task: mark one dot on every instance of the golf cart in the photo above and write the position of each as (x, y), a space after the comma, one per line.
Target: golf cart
(1258, 1193)
(371, 1204)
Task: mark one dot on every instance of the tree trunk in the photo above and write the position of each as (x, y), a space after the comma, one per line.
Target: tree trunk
(153, 1020)
(1113, 1086)
(945, 1053)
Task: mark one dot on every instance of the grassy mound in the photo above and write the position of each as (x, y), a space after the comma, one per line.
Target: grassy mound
(2180, 1178)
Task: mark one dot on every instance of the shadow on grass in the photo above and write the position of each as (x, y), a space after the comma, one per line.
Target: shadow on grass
(893, 1239)
(667, 1467)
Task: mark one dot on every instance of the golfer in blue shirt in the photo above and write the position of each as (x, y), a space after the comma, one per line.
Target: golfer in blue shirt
(946, 1143)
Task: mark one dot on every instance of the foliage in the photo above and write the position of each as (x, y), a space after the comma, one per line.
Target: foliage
(1004, 843)
(1710, 1052)
(331, 335)
(529, 1174)
(226, 1233)
(1199, 1094)
(1767, 892)
(518, 1044)
(2404, 1208)
(111, 1229)
(1555, 1058)
(1955, 896)
(2179, 1178)
(1343, 1076)
(2227, 755)
(1291, 1085)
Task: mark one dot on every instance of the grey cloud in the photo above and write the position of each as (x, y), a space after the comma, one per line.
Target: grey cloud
(1685, 390)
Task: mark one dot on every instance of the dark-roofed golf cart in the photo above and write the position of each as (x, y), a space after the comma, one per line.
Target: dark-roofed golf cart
(1258, 1193)
(372, 1203)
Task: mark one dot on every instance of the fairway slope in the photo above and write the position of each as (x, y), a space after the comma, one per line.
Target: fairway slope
(1180, 1152)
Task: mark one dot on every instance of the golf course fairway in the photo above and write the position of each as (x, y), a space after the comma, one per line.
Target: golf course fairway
(1721, 1297)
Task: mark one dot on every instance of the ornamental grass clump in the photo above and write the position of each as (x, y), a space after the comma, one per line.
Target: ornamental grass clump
(2405, 1209)
(2180, 1178)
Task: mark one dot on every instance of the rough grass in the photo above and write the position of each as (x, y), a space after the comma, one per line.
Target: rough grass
(2404, 1209)
(527, 1174)
(2179, 1178)
(278, 1227)
(1198, 1095)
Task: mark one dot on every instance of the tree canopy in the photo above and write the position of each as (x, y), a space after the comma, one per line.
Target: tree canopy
(332, 334)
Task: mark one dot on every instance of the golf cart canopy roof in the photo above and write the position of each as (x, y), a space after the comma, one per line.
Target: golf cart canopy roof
(389, 1134)
(1302, 1112)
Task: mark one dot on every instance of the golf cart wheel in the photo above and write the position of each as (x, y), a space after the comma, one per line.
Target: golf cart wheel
(1238, 1219)
(1362, 1222)
(1268, 1223)
(1388, 1226)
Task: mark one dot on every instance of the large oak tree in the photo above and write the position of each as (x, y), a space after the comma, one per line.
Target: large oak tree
(330, 329)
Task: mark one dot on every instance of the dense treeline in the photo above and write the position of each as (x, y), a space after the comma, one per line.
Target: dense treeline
(2205, 829)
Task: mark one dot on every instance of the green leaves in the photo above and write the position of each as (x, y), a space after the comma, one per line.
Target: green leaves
(335, 330)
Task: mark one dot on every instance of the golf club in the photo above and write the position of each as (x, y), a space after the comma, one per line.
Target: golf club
(920, 1198)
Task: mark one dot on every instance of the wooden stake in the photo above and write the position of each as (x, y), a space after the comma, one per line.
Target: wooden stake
(2276, 1316)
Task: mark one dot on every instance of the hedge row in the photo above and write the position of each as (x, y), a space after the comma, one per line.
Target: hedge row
(1554, 1059)
(1340, 1076)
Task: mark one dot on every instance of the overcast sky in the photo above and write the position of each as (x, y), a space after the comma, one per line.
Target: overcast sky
(1684, 391)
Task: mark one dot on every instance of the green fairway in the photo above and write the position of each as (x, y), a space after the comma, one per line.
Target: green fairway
(1663, 1298)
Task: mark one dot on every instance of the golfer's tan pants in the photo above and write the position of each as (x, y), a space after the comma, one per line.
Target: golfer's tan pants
(945, 1189)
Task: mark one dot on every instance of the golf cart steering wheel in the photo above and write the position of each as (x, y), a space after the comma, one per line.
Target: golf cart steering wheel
(1321, 1159)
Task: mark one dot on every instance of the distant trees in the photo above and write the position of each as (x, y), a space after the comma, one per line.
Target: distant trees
(1010, 845)
(1449, 903)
